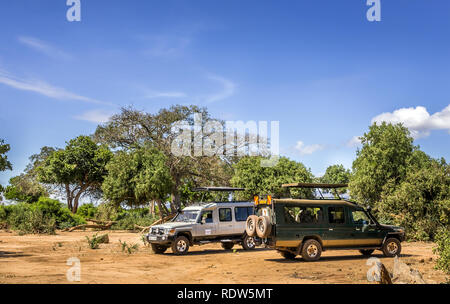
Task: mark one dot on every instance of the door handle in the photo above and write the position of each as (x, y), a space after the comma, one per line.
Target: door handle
(331, 229)
(358, 229)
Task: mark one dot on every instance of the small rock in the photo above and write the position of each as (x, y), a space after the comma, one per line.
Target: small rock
(403, 273)
(422, 261)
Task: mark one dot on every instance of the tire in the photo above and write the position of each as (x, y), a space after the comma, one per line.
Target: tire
(158, 249)
(311, 250)
(180, 245)
(250, 225)
(366, 252)
(287, 255)
(248, 242)
(263, 227)
(227, 245)
(391, 247)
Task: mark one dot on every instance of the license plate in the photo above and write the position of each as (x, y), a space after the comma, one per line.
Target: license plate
(152, 238)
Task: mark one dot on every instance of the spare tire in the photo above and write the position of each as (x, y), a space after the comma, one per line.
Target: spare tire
(250, 225)
(263, 227)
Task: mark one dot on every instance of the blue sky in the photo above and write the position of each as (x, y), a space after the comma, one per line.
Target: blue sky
(319, 67)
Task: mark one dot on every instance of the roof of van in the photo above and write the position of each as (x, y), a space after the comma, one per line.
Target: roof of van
(219, 204)
(315, 202)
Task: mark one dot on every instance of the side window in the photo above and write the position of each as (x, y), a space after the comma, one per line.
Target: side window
(303, 215)
(207, 216)
(360, 218)
(242, 213)
(336, 215)
(225, 215)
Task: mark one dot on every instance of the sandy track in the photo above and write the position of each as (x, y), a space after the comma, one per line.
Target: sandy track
(42, 259)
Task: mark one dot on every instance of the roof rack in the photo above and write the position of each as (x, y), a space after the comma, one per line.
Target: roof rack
(210, 189)
(314, 185)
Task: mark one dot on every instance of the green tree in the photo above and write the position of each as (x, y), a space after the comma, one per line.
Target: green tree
(26, 187)
(4, 163)
(258, 180)
(421, 203)
(382, 160)
(137, 177)
(336, 174)
(133, 128)
(77, 170)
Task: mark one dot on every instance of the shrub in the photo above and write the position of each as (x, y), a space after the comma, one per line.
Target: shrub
(443, 249)
(64, 218)
(26, 219)
(128, 248)
(107, 212)
(127, 220)
(87, 211)
(96, 240)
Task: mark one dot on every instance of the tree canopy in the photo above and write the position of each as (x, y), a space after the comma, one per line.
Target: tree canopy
(260, 180)
(78, 169)
(133, 128)
(137, 177)
(383, 158)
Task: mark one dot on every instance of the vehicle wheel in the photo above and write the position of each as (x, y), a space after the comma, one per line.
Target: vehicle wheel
(248, 243)
(391, 247)
(287, 255)
(250, 225)
(227, 245)
(311, 250)
(263, 227)
(366, 252)
(158, 249)
(180, 245)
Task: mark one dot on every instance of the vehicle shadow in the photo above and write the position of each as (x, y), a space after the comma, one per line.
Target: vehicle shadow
(220, 251)
(335, 258)
(11, 254)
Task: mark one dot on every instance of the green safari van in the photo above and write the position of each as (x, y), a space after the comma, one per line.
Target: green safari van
(307, 227)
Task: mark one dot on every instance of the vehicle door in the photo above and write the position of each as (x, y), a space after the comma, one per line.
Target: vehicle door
(297, 221)
(225, 223)
(241, 213)
(365, 232)
(340, 230)
(207, 225)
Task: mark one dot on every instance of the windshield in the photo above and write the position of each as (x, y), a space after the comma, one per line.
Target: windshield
(186, 216)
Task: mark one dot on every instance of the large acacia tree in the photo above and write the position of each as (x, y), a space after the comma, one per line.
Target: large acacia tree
(133, 128)
(77, 170)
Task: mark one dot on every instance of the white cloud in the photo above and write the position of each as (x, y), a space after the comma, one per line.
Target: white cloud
(43, 47)
(228, 89)
(307, 149)
(96, 116)
(43, 88)
(153, 94)
(418, 120)
(353, 142)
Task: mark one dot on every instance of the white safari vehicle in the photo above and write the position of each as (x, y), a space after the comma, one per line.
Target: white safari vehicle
(204, 223)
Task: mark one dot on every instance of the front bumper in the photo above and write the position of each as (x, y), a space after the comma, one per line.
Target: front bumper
(160, 239)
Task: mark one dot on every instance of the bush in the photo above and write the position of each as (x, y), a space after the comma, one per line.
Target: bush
(26, 219)
(128, 219)
(87, 211)
(107, 212)
(443, 249)
(64, 218)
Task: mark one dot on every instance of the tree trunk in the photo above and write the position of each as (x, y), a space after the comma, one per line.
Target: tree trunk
(77, 198)
(160, 209)
(69, 197)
